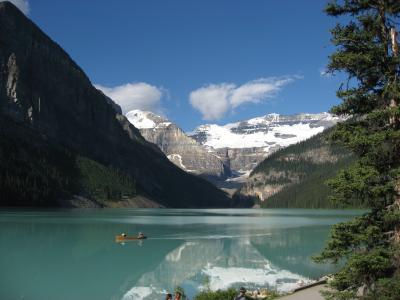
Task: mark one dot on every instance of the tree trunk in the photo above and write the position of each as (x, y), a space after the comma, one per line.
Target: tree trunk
(396, 233)
(393, 38)
(395, 53)
(394, 121)
(396, 207)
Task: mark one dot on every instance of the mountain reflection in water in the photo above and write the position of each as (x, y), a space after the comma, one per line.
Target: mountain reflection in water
(71, 254)
(262, 261)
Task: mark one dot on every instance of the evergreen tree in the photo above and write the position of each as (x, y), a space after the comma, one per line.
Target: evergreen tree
(367, 51)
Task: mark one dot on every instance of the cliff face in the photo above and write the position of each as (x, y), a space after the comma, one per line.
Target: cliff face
(45, 93)
(245, 144)
(242, 160)
(182, 150)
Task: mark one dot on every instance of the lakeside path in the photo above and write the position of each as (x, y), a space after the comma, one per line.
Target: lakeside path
(311, 293)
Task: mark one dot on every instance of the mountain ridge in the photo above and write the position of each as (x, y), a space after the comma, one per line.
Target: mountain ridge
(248, 142)
(270, 122)
(238, 146)
(49, 98)
(182, 150)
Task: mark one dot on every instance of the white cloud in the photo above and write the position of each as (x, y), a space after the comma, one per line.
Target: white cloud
(257, 90)
(138, 95)
(23, 5)
(215, 100)
(212, 100)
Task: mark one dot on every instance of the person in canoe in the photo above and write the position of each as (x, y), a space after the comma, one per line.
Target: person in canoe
(124, 237)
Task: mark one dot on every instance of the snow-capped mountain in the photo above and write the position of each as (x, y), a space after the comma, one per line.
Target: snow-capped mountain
(267, 131)
(248, 142)
(218, 150)
(182, 150)
(146, 120)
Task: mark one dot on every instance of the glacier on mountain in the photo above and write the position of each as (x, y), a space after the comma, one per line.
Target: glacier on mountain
(235, 148)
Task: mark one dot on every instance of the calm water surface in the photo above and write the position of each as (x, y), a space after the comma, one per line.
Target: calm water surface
(71, 254)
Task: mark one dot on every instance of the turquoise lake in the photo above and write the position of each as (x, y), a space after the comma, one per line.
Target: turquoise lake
(72, 254)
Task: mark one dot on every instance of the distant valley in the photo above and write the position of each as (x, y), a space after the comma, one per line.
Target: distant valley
(227, 154)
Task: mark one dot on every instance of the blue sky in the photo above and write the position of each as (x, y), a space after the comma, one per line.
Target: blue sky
(208, 61)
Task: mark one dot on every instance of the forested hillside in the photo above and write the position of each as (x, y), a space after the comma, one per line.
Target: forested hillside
(35, 171)
(296, 176)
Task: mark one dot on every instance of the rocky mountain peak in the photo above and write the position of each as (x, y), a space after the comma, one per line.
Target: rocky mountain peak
(246, 143)
(182, 150)
(267, 131)
(146, 119)
(235, 148)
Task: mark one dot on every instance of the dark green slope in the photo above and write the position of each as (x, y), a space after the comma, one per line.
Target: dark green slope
(35, 171)
(61, 137)
(298, 175)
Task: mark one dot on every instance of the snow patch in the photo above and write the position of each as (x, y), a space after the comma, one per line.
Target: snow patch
(223, 137)
(241, 177)
(140, 119)
(271, 131)
(177, 157)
